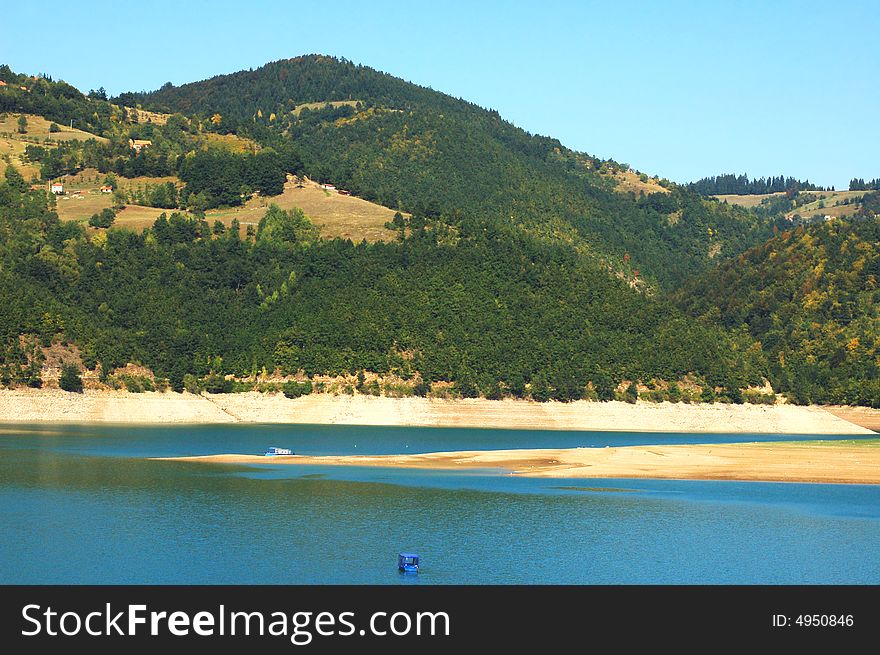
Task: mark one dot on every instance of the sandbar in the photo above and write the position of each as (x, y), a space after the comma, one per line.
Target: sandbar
(848, 461)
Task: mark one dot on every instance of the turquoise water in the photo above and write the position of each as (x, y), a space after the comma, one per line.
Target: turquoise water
(81, 504)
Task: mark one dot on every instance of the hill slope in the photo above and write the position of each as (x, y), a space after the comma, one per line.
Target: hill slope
(498, 283)
(425, 152)
(486, 310)
(802, 206)
(811, 296)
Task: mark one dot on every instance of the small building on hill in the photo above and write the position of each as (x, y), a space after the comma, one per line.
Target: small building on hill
(57, 188)
(106, 189)
(328, 187)
(139, 144)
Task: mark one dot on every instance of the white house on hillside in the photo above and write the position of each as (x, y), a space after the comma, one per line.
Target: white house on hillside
(139, 144)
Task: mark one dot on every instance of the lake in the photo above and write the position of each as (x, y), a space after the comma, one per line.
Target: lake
(82, 504)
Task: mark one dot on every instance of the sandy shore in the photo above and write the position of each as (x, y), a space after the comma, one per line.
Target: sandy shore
(38, 405)
(867, 417)
(819, 461)
(54, 405)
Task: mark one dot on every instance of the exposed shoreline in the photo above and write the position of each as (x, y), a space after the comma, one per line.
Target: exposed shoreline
(815, 462)
(54, 405)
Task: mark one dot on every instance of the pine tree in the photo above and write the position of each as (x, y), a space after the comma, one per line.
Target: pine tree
(70, 378)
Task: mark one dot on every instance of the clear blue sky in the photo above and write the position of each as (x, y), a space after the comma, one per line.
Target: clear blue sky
(679, 89)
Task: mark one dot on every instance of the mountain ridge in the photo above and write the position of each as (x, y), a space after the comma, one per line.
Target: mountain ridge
(423, 151)
(521, 268)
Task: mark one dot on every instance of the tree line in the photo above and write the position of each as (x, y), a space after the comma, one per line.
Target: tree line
(732, 184)
(858, 184)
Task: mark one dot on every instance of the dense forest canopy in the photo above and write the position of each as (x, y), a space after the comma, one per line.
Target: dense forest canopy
(811, 297)
(496, 312)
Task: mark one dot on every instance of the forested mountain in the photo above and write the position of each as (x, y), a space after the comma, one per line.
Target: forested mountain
(414, 149)
(488, 309)
(521, 269)
(812, 299)
(732, 184)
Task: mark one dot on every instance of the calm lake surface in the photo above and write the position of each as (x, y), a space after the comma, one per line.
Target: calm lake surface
(82, 504)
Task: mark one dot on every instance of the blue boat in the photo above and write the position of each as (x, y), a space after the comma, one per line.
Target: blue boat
(408, 562)
(274, 450)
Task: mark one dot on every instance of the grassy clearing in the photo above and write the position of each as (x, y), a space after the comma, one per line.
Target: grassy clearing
(746, 200)
(631, 181)
(38, 130)
(83, 197)
(92, 178)
(144, 116)
(11, 152)
(335, 215)
(319, 105)
(231, 142)
(136, 217)
(12, 144)
(831, 208)
(830, 201)
(80, 205)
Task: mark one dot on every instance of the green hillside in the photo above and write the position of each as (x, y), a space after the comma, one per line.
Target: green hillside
(414, 149)
(486, 309)
(811, 297)
(521, 268)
